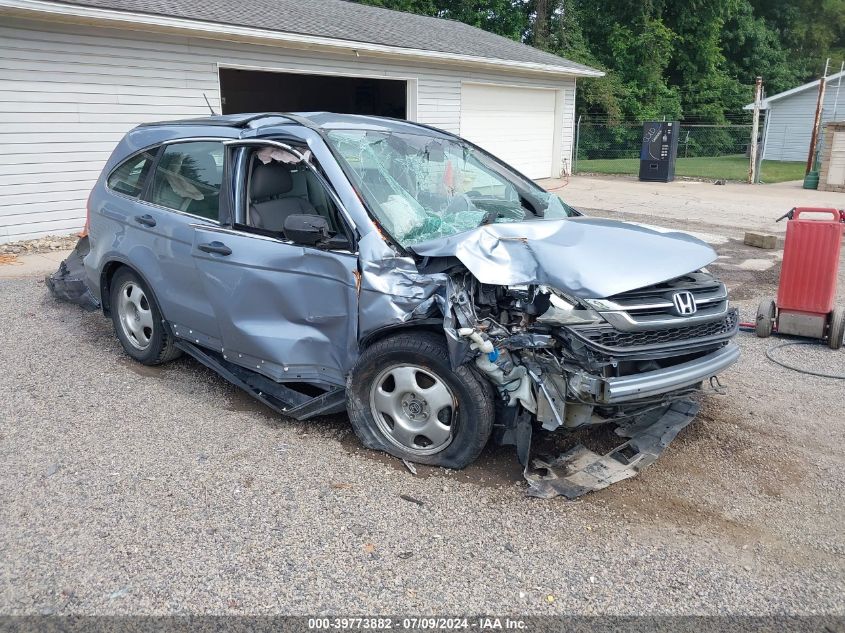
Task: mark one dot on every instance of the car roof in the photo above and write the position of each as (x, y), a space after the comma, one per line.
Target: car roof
(261, 121)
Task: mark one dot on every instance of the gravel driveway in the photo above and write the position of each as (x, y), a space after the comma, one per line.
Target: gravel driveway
(127, 489)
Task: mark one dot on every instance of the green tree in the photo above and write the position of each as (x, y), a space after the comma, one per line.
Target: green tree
(423, 7)
(629, 41)
(809, 30)
(556, 27)
(503, 17)
(694, 59)
(697, 61)
(751, 47)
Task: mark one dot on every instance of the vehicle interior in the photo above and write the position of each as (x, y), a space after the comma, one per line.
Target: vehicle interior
(277, 190)
(188, 179)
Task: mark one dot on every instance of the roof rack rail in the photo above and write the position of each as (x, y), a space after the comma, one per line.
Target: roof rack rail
(265, 115)
(222, 120)
(301, 120)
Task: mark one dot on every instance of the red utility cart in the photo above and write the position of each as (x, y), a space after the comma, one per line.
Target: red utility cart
(807, 288)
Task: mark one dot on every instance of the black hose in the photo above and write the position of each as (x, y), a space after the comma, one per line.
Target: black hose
(799, 369)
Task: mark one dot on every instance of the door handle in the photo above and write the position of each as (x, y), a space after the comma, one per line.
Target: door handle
(146, 219)
(215, 247)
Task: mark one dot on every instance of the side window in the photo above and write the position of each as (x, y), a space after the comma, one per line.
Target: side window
(278, 188)
(188, 178)
(129, 177)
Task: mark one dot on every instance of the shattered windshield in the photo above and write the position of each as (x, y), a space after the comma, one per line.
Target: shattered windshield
(422, 186)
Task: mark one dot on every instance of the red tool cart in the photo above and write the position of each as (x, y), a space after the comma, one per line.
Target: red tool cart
(807, 288)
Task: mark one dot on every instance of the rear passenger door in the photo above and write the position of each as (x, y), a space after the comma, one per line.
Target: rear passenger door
(182, 191)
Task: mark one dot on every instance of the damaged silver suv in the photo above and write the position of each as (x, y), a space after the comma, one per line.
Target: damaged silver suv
(330, 262)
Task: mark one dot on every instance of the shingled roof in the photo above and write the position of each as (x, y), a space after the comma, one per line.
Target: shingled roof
(352, 22)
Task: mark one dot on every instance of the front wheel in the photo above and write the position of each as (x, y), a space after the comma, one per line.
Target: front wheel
(405, 399)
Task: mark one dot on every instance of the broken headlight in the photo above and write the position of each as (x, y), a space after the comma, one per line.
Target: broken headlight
(530, 300)
(566, 310)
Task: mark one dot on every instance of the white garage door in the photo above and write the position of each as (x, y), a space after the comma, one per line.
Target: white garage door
(514, 124)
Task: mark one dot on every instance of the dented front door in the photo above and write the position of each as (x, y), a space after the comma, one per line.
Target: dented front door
(286, 311)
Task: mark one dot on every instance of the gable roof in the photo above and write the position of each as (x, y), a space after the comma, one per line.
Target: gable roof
(792, 91)
(338, 21)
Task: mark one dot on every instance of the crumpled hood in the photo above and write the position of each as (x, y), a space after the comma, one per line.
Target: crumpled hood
(590, 258)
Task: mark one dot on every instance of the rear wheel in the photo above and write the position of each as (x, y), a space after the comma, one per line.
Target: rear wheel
(765, 318)
(138, 321)
(837, 328)
(404, 399)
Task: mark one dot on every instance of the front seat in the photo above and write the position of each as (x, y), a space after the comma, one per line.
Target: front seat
(269, 208)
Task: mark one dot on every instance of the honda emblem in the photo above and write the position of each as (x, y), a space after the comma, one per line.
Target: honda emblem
(684, 303)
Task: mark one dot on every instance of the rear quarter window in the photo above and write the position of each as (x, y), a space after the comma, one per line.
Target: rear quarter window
(129, 177)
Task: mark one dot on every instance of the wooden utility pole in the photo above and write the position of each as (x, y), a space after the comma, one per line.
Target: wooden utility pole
(818, 120)
(755, 129)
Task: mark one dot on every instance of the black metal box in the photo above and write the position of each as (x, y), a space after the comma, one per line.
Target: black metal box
(659, 151)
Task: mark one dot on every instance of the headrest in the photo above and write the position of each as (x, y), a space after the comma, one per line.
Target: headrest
(207, 169)
(272, 179)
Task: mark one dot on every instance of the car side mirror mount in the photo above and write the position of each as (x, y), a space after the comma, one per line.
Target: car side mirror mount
(308, 230)
(338, 242)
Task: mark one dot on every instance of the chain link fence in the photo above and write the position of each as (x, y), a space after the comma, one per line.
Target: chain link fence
(706, 151)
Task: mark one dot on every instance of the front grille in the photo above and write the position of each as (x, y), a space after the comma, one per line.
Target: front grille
(610, 338)
(653, 307)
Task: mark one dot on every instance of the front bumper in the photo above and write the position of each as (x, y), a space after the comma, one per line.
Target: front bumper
(655, 383)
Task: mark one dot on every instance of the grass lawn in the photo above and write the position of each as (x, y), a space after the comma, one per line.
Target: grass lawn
(733, 167)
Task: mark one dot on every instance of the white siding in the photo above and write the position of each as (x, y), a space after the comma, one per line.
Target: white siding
(69, 92)
(836, 167)
(568, 140)
(791, 122)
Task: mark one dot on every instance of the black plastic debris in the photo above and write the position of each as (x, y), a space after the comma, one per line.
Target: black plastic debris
(68, 283)
(411, 499)
(580, 470)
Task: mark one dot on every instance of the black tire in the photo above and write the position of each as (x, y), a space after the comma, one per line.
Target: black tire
(471, 421)
(837, 329)
(154, 345)
(765, 318)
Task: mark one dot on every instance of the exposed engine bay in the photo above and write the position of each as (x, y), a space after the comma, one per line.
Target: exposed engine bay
(555, 359)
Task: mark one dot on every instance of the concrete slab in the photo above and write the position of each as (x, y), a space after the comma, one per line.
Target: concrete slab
(710, 238)
(733, 207)
(761, 240)
(756, 264)
(31, 265)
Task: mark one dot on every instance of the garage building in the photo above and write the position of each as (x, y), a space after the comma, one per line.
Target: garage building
(74, 77)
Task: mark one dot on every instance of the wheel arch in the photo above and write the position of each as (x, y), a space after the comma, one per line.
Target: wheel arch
(421, 325)
(107, 275)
